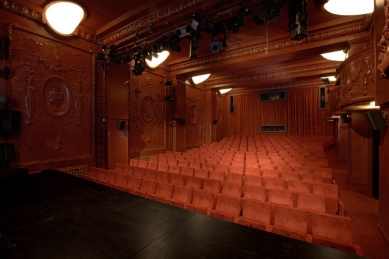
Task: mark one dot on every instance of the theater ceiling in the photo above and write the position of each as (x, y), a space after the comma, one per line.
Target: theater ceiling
(257, 56)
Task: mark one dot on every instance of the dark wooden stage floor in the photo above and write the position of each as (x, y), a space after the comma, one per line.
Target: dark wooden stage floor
(54, 215)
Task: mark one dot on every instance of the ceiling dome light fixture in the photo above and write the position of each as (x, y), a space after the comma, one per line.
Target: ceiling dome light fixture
(339, 55)
(154, 62)
(63, 16)
(349, 7)
(199, 79)
(226, 90)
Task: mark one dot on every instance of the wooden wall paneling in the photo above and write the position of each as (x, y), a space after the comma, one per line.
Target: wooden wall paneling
(209, 115)
(359, 161)
(52, 84)
(147, 119)
(342, 140)
(194, 127)
(118, 109)
(383, 215)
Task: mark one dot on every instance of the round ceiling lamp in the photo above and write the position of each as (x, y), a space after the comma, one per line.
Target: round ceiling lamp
(349, 7)
(199, 79)
(63, 16)
(156, 61)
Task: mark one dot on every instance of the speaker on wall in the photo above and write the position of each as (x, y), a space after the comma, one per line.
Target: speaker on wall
(376, 119)
(9, 122)
(344, 118)
(7, 152)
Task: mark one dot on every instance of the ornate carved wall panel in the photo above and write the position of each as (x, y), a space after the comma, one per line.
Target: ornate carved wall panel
(221, 117)
(147, 113)
(194, 125)
(52, 85)
(357, 81)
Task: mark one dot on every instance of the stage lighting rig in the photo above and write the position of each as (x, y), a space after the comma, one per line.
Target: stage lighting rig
(139, 65)
(219, 45)
(298, 19)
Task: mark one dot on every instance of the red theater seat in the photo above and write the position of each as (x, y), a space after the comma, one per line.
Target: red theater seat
(207, 166)
(311, 202)
(147, 188)
(150, 174)
(202, 202)
(175, 169)
(195, 165)
(134, 162)
(187, 171)
(212, 185)
(162, 192)
(274, 183)
(311, 177)
(163, 177)
(163, 167)
(194, 182)
(152, 165)
(120, 167)
(232, 189)
(290, 175)
(253, 180)
(133, 184)
(327, 190)
(253, 171)
(216, 175)
(222, 168)
(181, 196)
(226, 208)
(281, 197)
(234, 177)
(255, 214)
(333, 231)
(298, 186)
(183, 163)
(254, 192)
(237, 169)
(270, 173)
(121, 181)
(291, 222)
(203, 173)
(139, 172)
(129, 169)
(142, 163)
(177, 179)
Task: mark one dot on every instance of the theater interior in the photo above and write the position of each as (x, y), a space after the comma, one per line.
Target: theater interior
(278, 143)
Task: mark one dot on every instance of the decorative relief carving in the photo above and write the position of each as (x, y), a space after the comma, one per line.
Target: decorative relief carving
(50, 85)
(86, 36)
(153, 18)
(147, 113)
(278, 87)
(194, 127)
(357, 81)
(21, 10)
(55, 96)
(383, 57)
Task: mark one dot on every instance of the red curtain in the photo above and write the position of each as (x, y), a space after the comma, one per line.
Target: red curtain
(299, 112)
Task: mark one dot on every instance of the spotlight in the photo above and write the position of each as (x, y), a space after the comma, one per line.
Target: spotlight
(219, 45)
(325, 80)
(139, 66)
(258, 15)
(298, 19)
(173, 43)
(100, 56)
(137, 35)
(195, 22)
(273, 10)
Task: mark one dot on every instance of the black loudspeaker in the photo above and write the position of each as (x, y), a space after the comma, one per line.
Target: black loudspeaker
(9, 122)
(376, 119)
(121, 124)
(344, 118)
(7, 152)
(214, 121)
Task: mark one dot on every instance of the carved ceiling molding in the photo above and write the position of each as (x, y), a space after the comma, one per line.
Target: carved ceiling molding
(87, 36)
(278, 87)
(153, 18)
(261, 49)
(21, 10)
(273, 74)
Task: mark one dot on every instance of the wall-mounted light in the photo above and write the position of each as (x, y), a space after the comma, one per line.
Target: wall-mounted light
(226, 90)
(156, 61)
(63, 16)
(349, 7)
(339, 55)
(330, 78)
(199, 79)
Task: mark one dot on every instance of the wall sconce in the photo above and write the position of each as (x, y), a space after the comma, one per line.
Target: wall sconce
(63, 17)
(226, 90)
(339, 55)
